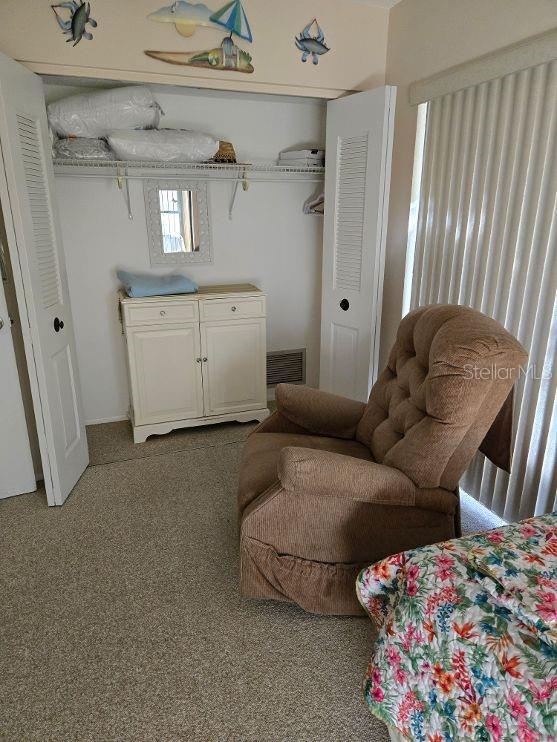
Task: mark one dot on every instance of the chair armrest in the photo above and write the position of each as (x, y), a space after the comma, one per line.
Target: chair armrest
(319, 412)
(277, 423)
(306, 471)
(321, 473)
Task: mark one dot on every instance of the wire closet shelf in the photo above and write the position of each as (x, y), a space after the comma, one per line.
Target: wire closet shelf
(239, 172)
(260, 171)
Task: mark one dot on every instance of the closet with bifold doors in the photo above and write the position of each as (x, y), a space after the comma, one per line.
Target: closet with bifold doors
(78, 366)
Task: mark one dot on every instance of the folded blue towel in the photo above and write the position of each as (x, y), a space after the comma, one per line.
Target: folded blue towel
(137, 284)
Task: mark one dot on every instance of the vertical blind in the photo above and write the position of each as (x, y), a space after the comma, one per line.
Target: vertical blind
(484, 234)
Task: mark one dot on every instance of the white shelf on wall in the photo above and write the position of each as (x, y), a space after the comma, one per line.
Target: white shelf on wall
(258, 171)
(245, 173)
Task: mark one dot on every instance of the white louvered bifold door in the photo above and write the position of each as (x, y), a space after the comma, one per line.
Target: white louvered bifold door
(358, 166)
(486, 236)
(33, 234)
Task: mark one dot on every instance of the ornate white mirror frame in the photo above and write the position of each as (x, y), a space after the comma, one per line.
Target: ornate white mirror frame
(151, 190)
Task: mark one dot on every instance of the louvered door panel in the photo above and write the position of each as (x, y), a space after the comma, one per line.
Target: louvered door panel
(40, 208)
(36, 250)
(350, 208)
(357, 173)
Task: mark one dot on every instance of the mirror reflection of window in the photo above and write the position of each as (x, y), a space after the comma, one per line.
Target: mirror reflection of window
(179, 213)
(178, 221)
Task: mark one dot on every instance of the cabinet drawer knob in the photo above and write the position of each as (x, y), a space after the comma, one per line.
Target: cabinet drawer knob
(163, 313)
(233, 309)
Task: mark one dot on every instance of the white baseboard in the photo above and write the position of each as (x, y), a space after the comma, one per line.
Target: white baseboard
(102, 420)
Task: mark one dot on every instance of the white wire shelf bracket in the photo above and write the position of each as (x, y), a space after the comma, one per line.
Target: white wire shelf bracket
(122, 171)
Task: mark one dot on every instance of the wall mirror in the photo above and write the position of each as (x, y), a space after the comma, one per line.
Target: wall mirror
(178, 221)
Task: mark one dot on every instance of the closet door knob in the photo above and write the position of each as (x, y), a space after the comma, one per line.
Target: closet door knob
(58, 325)
(232, 309)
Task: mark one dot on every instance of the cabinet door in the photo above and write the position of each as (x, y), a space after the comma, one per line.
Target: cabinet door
(165, 373)
(234, 372)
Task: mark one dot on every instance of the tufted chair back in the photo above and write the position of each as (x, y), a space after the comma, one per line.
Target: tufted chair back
(449, 373)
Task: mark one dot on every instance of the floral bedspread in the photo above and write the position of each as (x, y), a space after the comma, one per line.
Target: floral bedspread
(467, 636)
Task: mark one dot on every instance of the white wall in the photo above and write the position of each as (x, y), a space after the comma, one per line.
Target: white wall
(270, 242)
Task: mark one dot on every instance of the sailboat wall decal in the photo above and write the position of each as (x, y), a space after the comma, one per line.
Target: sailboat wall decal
(233, 17)
(227, 56)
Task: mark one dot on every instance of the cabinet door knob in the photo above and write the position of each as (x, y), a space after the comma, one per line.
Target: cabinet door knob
(233, 309)
(205, 359)
(163, 313)
(198, 360)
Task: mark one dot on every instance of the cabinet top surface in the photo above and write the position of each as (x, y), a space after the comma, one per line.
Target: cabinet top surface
(204, 292)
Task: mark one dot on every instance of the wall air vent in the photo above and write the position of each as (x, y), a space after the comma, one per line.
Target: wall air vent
(286, 367)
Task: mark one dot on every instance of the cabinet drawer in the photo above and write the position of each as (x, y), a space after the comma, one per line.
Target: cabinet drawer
(160, 314)
(241, 308)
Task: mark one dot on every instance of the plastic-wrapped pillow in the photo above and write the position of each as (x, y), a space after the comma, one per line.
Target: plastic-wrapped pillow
(96, 114)
(164, 145)
(82, 149)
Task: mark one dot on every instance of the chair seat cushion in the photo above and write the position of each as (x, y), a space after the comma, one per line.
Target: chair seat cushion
(258, 469)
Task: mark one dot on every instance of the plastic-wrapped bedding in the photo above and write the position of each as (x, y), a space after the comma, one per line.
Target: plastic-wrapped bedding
(164, 145)
(82, 149)
(96, 114)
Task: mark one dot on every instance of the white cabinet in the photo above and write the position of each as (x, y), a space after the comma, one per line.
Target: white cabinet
(195, 361)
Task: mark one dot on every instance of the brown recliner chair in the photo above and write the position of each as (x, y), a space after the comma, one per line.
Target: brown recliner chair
(329, 485)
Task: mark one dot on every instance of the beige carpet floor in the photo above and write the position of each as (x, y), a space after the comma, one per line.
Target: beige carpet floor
(120, 617)
(114, 442)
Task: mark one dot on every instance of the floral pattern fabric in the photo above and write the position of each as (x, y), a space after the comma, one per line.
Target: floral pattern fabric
(467, 637)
